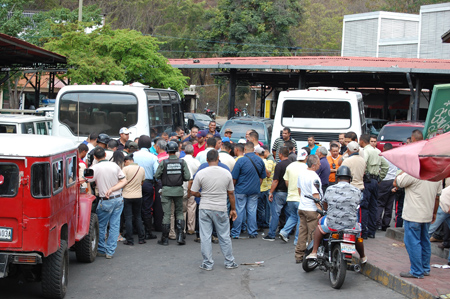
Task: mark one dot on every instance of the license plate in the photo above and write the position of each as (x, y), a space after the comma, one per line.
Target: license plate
(348, 248)
(5, 234)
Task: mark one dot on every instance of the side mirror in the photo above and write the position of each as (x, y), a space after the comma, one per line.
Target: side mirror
(88, 173)
(190, 123)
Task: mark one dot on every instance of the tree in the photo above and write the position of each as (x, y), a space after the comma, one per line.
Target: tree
(408, 6)
(251, 27)
(106, 54)
(12, 19)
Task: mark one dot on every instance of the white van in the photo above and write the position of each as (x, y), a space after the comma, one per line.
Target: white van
(322, 112)
(25, 124)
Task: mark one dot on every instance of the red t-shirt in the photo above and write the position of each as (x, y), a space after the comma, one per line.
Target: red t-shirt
(198, 149)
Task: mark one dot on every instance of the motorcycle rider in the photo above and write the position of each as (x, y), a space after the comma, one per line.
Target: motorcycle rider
(341, 201)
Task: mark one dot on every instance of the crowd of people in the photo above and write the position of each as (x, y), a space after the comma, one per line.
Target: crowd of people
(204, 184)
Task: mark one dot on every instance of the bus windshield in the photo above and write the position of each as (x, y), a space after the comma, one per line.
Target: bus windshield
(316, 114)
(104, 112)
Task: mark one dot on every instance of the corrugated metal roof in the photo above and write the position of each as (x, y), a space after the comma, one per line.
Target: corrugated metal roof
(320, 63)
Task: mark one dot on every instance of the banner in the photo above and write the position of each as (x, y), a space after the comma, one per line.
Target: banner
(438, 116)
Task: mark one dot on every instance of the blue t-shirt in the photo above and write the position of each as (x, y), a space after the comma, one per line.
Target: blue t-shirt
(246, 176)
(314, 149)
(324, 171)
(203, 166)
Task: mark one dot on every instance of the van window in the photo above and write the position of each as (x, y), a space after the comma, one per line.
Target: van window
(9, 179)
(41, 128)
(40, 180)
(97, 112)
(57, 176)
(316, 114)
(71, 166)
(4, 128)
(27, 128)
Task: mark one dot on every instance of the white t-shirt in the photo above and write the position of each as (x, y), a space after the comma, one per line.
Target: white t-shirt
(106, 175)
(227, 159)
(214, 181)
(306, 180)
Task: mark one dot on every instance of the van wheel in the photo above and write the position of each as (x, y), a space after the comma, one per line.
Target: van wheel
(86, 249)
(55, 272)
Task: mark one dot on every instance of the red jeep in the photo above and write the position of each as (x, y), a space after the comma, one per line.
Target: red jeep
(42, 211)
(396, 133)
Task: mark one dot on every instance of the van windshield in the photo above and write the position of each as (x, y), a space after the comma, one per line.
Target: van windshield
(316, 114)
(103, 112)
(240, 128)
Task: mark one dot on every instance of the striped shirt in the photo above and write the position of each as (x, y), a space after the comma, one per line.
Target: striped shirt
(279, 142)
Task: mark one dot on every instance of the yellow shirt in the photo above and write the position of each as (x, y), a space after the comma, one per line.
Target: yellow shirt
(267, 182)
(291, 175)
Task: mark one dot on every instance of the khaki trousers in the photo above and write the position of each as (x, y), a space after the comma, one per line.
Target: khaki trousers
(308, 223)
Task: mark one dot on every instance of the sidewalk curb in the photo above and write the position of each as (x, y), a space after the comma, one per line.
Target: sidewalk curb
(395, 282)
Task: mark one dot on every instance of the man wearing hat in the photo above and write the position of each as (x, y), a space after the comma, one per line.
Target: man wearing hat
(201, 143)
(130, 147)
(227, 134)
(124, 136)
(357, 165)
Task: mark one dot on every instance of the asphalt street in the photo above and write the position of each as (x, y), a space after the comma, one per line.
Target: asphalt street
(151, 270)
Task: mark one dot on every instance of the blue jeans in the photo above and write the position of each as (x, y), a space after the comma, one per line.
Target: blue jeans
(441, 217)
(418, 245)
(292, 219)
(207, 220)
(263, 209)
(277, 204)
(245, 205)
(109, 211)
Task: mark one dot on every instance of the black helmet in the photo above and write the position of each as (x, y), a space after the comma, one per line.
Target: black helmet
(103, 138)
(344, 171)
(172, 147)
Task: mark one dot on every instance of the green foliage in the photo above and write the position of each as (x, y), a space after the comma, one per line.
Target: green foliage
(12, 20)
(408, 6)
(251, 27)
(105, 55)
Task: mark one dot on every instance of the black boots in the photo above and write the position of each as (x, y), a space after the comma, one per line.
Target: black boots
(165, 235)
(148, 229)
(179, 232)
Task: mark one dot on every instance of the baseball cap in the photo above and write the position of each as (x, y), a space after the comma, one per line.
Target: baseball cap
(259, 150)
(353, 146)
(201, 134)
(242, 140)
(124, 130)
(225, 139)
(133, 145)
(228, 130)
(302, 154)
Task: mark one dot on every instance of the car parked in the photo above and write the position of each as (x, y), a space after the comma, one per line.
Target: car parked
(201, 120)
(396, 133)
(25, 124)
(240, 125)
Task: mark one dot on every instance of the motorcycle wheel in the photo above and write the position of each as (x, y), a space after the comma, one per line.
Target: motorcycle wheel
(338, 269)
(308, 265)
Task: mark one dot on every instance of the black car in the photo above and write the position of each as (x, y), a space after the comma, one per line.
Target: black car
(200, 120)
(240, 125)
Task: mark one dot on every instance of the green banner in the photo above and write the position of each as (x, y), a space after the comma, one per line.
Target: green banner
(438, 116)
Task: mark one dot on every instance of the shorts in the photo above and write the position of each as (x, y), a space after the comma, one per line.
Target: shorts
(325, 229)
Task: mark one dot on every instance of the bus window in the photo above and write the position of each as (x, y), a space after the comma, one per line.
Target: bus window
(104, 112)
(165, 97)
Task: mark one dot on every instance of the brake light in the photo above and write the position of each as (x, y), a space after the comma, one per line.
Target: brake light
(25, 259)
(350, 237)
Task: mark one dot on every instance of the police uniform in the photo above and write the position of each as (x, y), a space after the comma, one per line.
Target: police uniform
(172, 172)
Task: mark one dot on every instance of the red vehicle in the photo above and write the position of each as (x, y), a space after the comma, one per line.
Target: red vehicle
(397, 132)
(43, 212)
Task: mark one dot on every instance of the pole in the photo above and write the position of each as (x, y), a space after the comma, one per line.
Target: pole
(80, 10)
(231, 93)
(218, 99)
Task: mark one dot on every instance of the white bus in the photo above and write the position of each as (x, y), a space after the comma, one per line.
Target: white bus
(83, 109)
(322, 112)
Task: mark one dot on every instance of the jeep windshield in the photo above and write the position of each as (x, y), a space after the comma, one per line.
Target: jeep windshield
(396, 133)
(239, 129)
(9, 179)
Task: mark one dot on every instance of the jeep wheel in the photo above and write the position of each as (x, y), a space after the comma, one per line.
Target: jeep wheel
(86, 249)
(55, 272)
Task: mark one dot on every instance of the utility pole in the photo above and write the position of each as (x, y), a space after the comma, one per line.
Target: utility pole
(80, 10)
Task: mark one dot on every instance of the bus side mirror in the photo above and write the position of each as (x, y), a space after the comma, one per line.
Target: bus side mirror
(88, 173)
(190, 123)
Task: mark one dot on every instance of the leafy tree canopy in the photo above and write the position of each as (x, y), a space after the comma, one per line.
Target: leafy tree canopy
(105, 55)
(12, 19)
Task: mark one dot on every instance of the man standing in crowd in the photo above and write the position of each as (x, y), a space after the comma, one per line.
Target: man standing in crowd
(253, 137)
(225, 157)
(357, 165)
(239, 151)
(247, 174)
(342, 143)
(132, 197)
(278, 192)
(160, 147)
(263, 216)
(124, 136)
(292, 154)
(201, 143)
(212, 129)
(376, 170)
(416, 135)
(333, 160)
(373, 141)
(193, 136)
(324, 171)
(216, 183)
(82, 152)
(91, 142)
(228, 132)
(149, 162)
(421, 204)
(293, 171)
(313, 147)
(279, 142)
(172, 172)
(386, 197)
(210, 145)
(109, 179)
(193, 166)
(308, 185)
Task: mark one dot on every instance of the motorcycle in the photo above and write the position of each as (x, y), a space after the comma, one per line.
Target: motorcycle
(209, 112)
(245, 111)
(237, 111)
(335, 253)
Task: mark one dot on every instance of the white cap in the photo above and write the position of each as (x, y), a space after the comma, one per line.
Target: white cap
(302, 154)
(124, 130)
(353, 147)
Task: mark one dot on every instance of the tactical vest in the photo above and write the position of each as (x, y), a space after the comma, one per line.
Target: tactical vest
(173, 173)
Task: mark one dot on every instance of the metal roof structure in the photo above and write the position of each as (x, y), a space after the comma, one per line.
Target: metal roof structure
(446, 37)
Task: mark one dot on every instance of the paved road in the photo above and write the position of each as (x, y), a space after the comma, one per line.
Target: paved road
(151, 270)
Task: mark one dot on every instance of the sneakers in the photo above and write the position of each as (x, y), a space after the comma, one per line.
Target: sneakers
(426, 273)
(101, 254)
(363, 260)
(232, 266)
(109, 256)
(282, 237)
(215, 240)
(197, 240)
(299, 261)
(120, 238)
(204, 267)
(267, 238)
(234, 237)
(409, 275)
(433, 239)
(253, 236)
(190, 232)
(312, 256)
